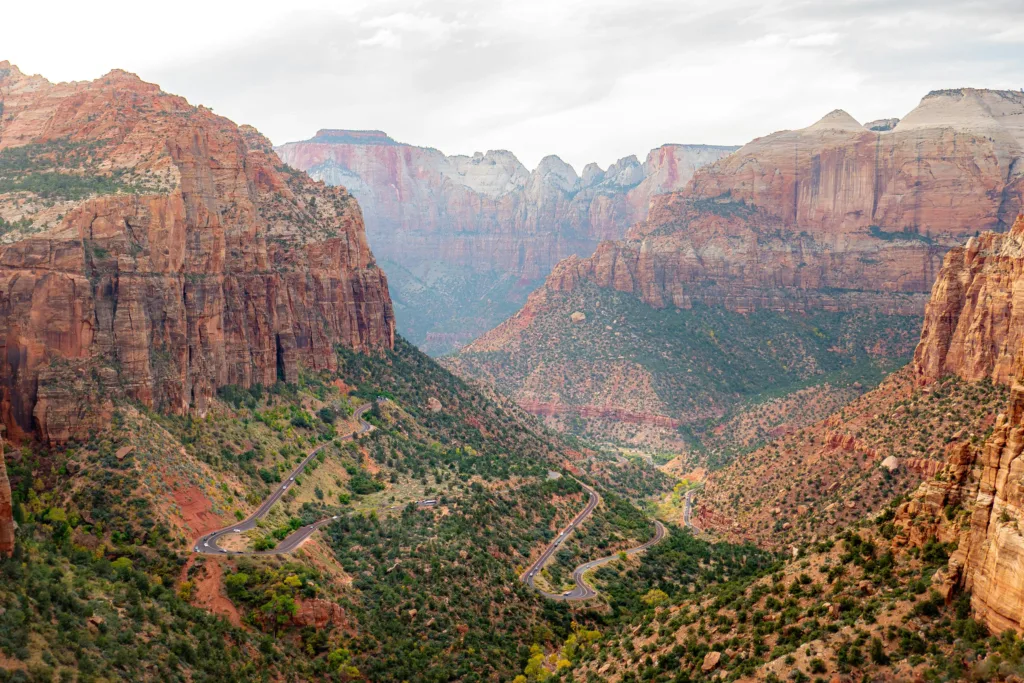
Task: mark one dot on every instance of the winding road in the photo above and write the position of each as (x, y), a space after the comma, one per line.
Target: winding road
(207, 544)
(582, 591)
(687, 511)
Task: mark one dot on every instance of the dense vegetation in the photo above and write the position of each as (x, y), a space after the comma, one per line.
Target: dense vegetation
(102, 588)
(105, 518)
(58, 170)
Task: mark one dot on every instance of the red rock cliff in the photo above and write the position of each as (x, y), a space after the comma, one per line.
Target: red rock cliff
(974, 322)
(832, 216)
(977, 502)
(972, 328)
(154, 249)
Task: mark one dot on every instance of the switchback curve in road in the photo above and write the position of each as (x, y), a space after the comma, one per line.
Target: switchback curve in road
(582, 591)
(207, 544)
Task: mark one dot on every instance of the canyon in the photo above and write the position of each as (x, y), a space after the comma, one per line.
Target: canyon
(464, 239)
(834, 218)
(152, 250)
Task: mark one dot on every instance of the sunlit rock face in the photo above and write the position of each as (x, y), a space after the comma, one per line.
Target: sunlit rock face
(157, 251)
(972, 330)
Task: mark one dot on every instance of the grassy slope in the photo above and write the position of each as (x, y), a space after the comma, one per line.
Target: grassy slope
(699, 366)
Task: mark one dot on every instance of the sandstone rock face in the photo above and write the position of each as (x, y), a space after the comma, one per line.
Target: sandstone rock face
(971, 330)
(176, 255)
(6, 511)
(832, 216)
(974, 322)
(982, 485)
(437, 221)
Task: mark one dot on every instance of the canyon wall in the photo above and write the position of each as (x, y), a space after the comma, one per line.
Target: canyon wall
(974, 322)
(831, 216)
(972, 329)
(471, 227)
(152, 249)
(487, 211)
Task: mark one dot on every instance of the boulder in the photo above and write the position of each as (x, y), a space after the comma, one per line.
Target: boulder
(711, 660)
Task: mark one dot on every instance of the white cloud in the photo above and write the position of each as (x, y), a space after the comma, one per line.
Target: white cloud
(384, 37)
(814, 40)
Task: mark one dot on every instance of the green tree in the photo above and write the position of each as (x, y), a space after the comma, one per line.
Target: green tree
(280, 609)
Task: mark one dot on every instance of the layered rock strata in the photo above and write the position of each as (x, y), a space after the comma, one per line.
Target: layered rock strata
(153, 249)
(833, 217)
(978, 499)
(487, 212)
(974, 322)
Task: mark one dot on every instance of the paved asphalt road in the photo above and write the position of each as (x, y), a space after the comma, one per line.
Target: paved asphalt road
(689, 508)
(208, 543)
(582, 591)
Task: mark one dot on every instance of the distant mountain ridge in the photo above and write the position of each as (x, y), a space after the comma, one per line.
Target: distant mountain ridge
(465, 238)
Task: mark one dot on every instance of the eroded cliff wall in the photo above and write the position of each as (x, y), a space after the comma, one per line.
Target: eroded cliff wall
(487, 211)
(972, 329)
(464, 239)
(155, 249)
(831, 216)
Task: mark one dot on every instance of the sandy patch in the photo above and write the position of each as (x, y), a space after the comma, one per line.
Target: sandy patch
(209, 591)
(197, 511)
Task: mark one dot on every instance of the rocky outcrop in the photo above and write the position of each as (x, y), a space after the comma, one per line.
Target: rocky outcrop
(971, 329)
(319, 614)
(974, 322)
(175, 255)
(977, 502)
(6, 509)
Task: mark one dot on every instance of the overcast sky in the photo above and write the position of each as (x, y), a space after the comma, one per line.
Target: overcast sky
(588, 80)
